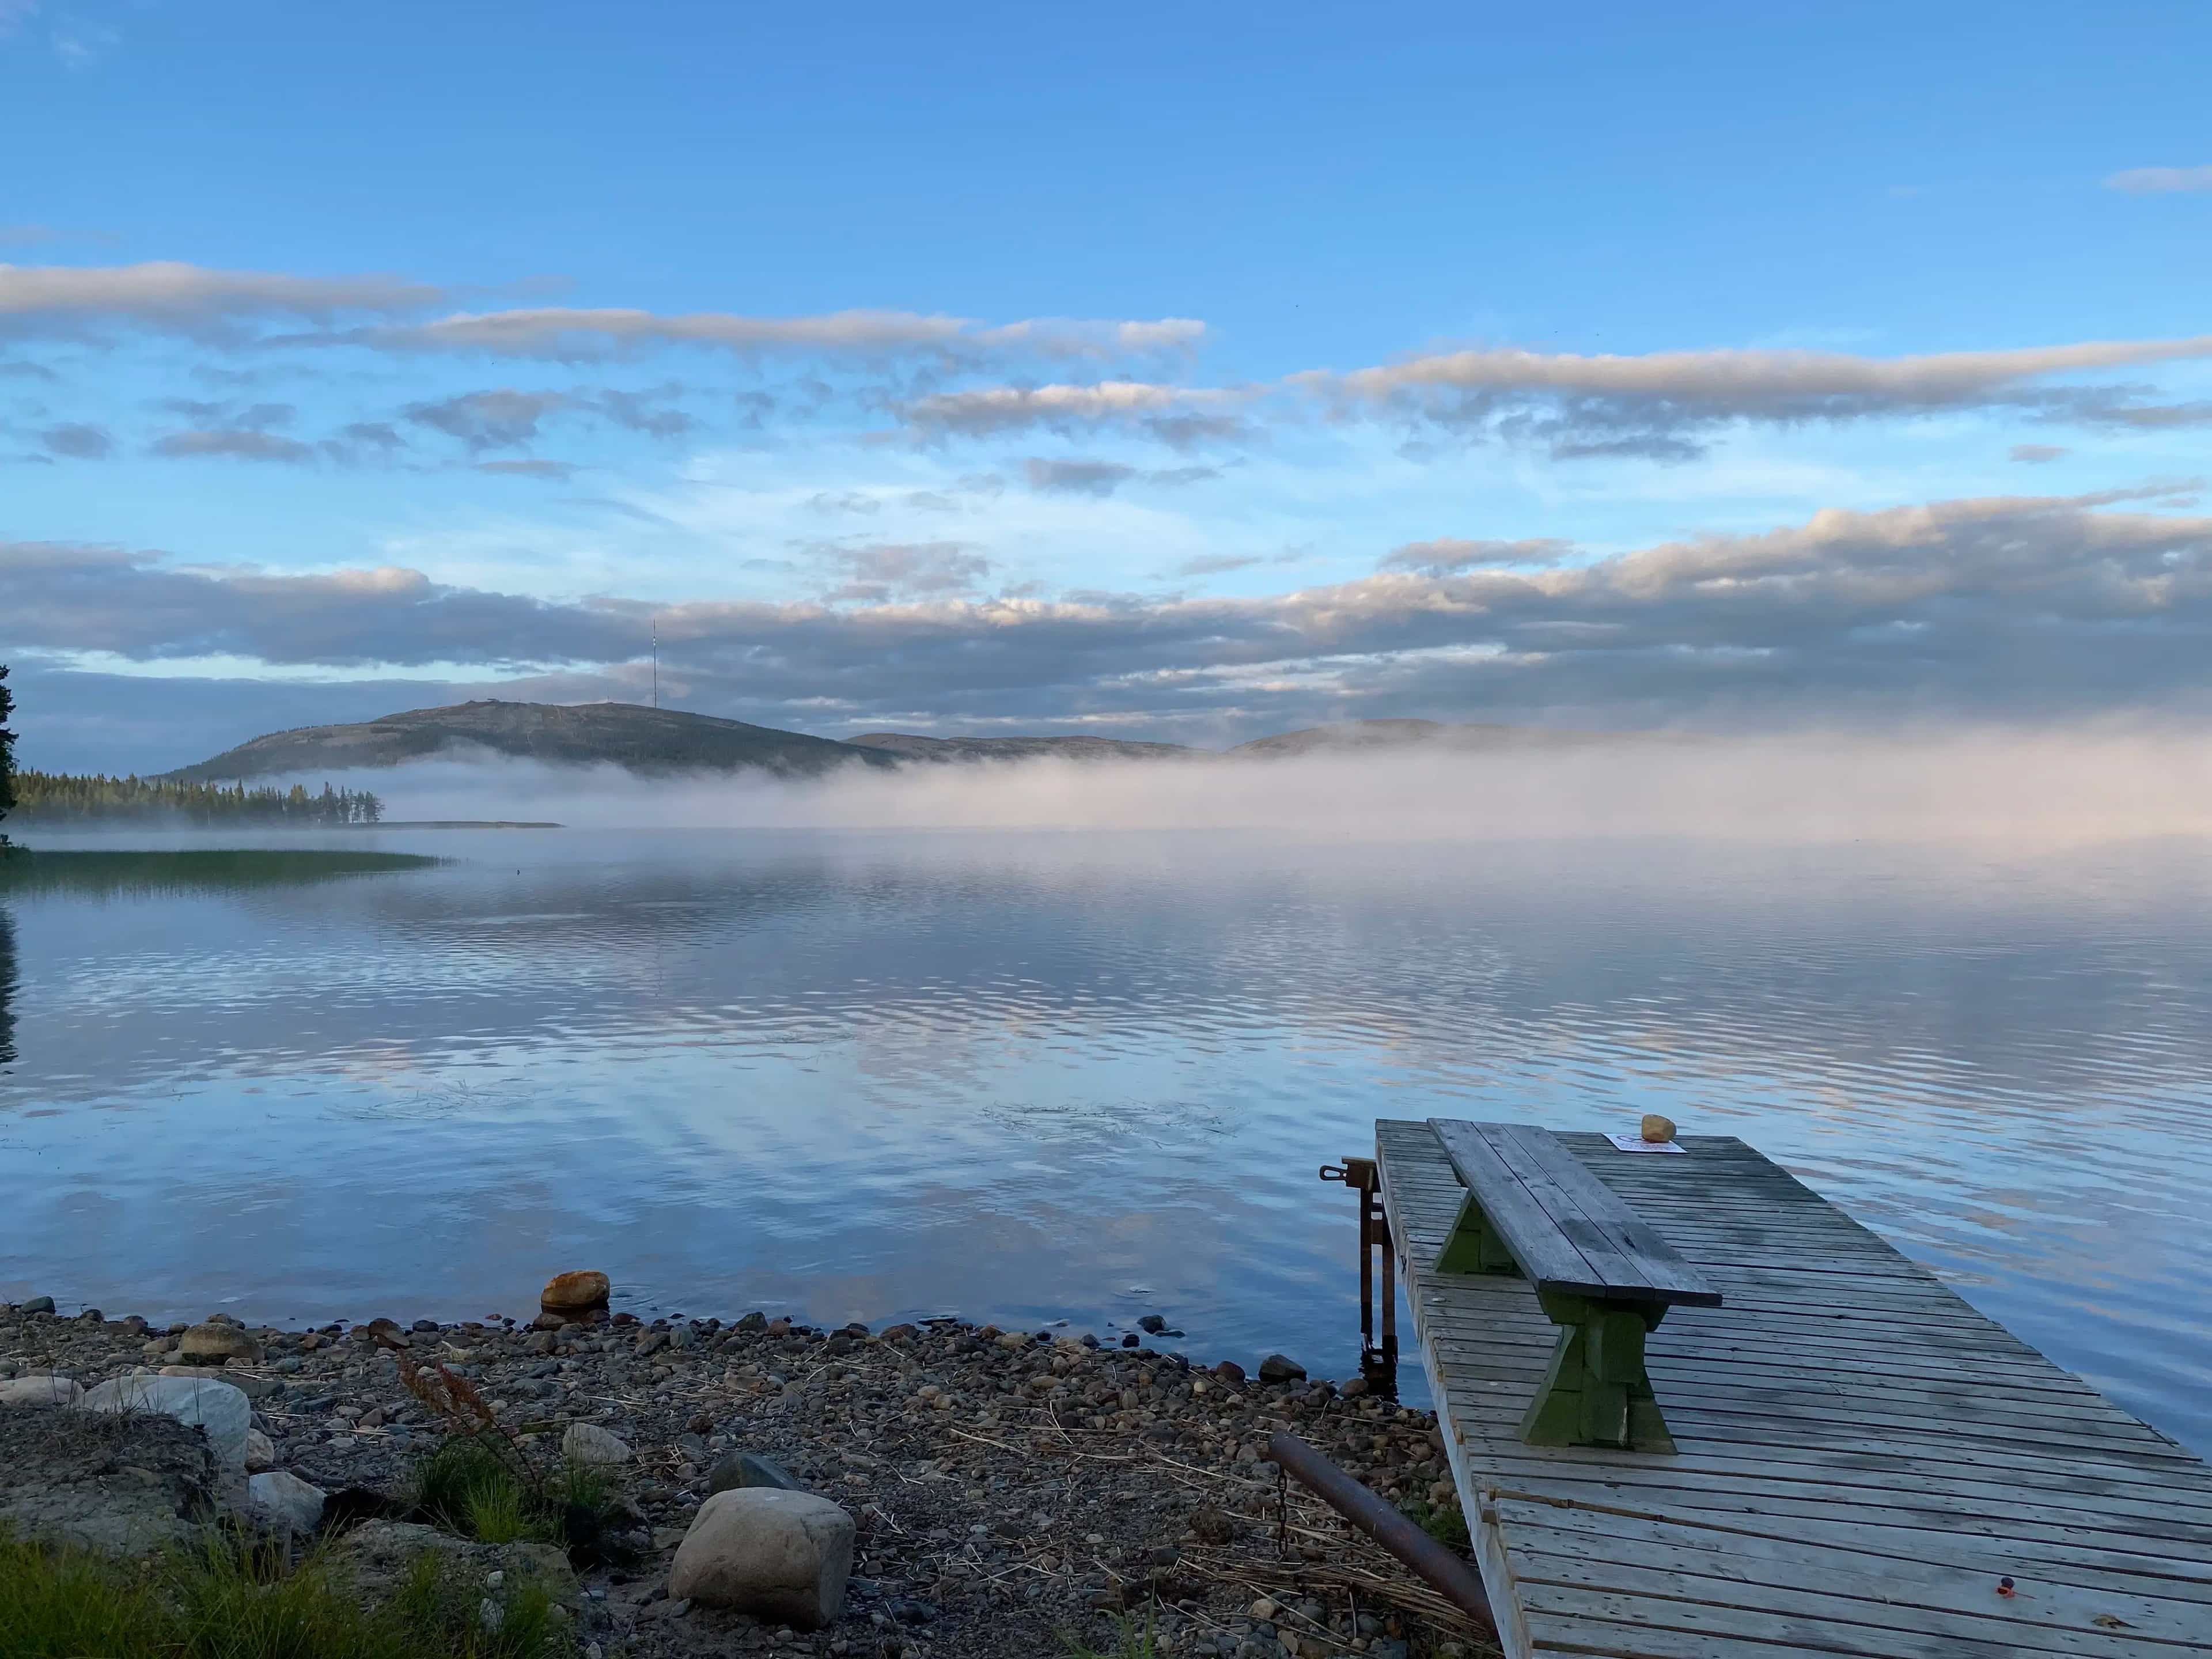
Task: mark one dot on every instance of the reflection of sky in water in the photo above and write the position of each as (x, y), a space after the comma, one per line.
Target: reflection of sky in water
(1020, 1076)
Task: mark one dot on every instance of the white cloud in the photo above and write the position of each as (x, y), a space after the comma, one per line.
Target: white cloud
(2161, 181)
(185, 298)
(1791, 383)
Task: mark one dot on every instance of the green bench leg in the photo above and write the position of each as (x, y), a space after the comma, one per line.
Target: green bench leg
(1473, 1246)
(1596, 1392)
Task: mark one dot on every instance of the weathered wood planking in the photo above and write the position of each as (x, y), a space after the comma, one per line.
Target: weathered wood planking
(1862, 1457)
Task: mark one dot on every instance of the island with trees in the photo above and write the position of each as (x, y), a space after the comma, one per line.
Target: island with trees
(50, 798)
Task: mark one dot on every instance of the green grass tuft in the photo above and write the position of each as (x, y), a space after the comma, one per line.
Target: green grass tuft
(1131, 1641)
(1442, 1522)
(229, 1602)
(472, 1486)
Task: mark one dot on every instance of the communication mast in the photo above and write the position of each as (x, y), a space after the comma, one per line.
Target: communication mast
(656, 662)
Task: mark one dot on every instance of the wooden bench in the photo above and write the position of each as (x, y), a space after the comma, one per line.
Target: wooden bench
(1606, 1277)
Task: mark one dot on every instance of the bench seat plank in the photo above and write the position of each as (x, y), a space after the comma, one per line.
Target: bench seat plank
(1567, 1230)
(1641, 1248)
(1540, 1250)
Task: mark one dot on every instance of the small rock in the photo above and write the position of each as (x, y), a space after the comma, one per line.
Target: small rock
(1212, 1526)
(388, 1330)
(575, 1292)
(651, 1342)
(1657, 1129)
(37, 1304)
(1153, 1323)
(1264, 1610)
(214, 1343)
(779, 1555)
(221, 1410)
(1275, 1368)
(261, 1452)
(753, 1323)
(284, 1502)
(55, 1391)
(588, 1443)
(1230, 1372)
(742, 1471)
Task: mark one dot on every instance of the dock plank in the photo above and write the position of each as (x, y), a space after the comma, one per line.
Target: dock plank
(1861, 1454)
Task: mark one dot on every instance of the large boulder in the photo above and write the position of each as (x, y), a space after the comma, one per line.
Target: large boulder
(575, 1292)
(219, 1410)
(778, 1555)
(122, 1486)
(284, 1502)
(588, 1443)
(44, 1391)
(215, 1344)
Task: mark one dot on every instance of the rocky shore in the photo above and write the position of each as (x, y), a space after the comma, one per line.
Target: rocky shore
(1013, 1493)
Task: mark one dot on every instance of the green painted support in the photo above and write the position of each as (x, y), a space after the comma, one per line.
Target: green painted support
(1474, 1245)
(1597, 1392)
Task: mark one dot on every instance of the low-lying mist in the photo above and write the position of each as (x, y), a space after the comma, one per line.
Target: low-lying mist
(2058, 786)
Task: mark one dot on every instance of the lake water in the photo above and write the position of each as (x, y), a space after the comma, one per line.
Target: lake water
(1088, 1076)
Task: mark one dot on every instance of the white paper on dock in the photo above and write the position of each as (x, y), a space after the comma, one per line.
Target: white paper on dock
(1638, 1144)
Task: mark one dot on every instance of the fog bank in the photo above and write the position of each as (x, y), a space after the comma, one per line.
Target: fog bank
(2070, 785)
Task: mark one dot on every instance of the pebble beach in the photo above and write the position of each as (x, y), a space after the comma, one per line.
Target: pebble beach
(1010, 1492)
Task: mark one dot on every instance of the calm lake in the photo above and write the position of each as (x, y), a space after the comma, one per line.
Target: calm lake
(1037, 1077)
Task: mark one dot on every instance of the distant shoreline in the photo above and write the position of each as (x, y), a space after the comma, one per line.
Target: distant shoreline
(168, 825)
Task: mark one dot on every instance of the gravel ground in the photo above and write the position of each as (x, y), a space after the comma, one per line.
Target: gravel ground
(1016, 1492)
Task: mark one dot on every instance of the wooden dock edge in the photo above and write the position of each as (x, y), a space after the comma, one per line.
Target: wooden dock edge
(1514, 1640)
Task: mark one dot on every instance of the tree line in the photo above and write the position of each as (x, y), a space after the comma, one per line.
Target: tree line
(55, 797)
(7, 752)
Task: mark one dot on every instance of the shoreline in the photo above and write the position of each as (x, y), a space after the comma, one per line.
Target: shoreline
(1014, 1490)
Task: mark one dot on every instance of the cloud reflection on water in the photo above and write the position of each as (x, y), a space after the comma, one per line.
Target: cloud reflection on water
(1011, 1074)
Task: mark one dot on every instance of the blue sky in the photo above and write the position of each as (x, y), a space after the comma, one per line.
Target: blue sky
(1187, 373)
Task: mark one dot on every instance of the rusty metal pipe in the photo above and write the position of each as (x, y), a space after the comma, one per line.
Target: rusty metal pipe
(1441, 1570)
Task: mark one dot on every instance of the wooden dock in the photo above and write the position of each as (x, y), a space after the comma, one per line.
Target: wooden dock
(1862, 1459)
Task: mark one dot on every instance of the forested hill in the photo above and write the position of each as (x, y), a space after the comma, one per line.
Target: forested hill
(663, 741)
(629, 735)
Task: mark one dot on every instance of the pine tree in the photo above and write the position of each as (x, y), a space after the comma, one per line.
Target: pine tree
(7, 751)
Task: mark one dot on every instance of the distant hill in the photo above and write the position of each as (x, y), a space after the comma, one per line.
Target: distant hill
(1349, 735)
(660, 741)
(626, 734)
(908, 746)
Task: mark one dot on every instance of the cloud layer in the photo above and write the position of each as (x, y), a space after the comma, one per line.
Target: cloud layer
(941, 378)
(1986, 606)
